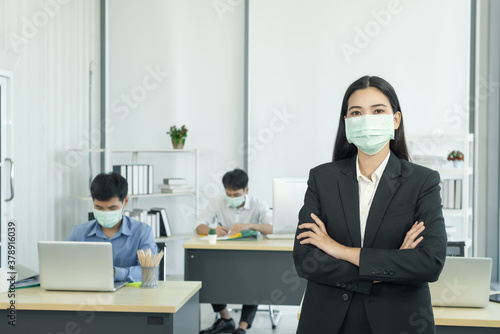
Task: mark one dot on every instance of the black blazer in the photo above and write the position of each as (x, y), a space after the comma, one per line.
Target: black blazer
(401, 302)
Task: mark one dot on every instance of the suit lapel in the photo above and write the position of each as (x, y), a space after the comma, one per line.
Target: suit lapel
(386, 189)
(349, 196)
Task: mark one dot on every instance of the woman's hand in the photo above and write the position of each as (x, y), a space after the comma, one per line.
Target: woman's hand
(318, 236)
(411, 241)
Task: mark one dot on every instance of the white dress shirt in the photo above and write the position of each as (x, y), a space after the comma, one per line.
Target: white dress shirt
(254, 211)
(367, 189)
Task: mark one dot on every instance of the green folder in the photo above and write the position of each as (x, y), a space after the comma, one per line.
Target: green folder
(244, 235)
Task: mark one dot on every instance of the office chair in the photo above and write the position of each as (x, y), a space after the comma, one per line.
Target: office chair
(455, 248)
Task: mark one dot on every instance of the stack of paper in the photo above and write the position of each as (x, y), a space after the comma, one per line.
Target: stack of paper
(175, 185)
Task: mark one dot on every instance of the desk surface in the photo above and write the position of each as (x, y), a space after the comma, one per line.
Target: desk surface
(259, 244)
(465, 316)
(169, 297)
(470, 317)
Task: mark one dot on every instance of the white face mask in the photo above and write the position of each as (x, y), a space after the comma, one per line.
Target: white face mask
(108, 219)
(370, 133)
(235, 201)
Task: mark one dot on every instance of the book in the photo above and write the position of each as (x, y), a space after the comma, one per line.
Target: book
(164, 225)
(174, 181)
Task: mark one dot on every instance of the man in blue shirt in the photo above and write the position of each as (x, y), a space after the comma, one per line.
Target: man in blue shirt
(126, 235)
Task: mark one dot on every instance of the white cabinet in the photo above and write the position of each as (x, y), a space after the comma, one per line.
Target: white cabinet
(432, 152)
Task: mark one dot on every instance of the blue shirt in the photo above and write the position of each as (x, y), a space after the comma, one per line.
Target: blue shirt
(131, 236)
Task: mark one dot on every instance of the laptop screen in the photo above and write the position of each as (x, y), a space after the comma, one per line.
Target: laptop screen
(288, 199)
(82, 266)
(464, 282)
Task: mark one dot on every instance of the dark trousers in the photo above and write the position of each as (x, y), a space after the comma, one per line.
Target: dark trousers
(247, 312)
(356, 320)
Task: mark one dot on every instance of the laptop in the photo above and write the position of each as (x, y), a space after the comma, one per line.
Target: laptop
(78, 266)
(464, 282)
(288, 199)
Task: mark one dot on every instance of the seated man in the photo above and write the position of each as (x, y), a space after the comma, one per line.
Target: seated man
(109, 195)
(235, 211)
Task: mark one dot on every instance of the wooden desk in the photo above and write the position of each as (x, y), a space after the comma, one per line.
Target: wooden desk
(170, 308)
(468, 320)
(244, 272)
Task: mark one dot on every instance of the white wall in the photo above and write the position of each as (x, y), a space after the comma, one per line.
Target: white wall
(48, 49)
(199, 48)
(304, 55)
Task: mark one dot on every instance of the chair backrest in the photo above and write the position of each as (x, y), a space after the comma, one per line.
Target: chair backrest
(455, 248)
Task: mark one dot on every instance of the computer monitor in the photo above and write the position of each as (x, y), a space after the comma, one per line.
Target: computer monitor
(288, 199)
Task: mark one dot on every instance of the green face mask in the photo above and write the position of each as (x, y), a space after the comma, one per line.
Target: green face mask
(370, 133)
(108, 219)
(235, 201)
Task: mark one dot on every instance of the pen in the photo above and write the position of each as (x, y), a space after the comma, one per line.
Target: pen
(228, 232)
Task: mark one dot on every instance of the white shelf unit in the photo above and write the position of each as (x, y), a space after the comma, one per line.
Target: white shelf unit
(135, 160)
(459, 222)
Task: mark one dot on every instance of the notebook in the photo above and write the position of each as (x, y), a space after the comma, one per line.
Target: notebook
(464, 282)
(80, 266)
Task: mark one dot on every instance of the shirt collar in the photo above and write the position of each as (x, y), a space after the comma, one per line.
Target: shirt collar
(377, 174)
(124, 229)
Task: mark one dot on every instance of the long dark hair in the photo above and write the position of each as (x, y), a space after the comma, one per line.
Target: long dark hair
(343, 149)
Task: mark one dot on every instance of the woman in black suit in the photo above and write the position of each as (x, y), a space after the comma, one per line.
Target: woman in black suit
(371, 232)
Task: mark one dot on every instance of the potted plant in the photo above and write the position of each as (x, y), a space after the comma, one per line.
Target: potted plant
(178, 136)
(457, 157)
(212, 236)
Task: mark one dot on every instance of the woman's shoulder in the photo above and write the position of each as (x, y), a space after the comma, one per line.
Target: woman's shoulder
(409, 168)
(335, 166)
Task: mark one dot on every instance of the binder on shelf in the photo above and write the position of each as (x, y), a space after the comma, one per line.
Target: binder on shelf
(135, 179)
(150, 179)
(139, 215)
(129, 179)
(139, 178)
(164, 224)
(458, 194)
(120, 169)
(140, 174)
(441, 185)
(451, 194)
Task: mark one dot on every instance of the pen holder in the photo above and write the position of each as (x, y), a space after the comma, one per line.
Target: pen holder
(149, 277)
(212, 239)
